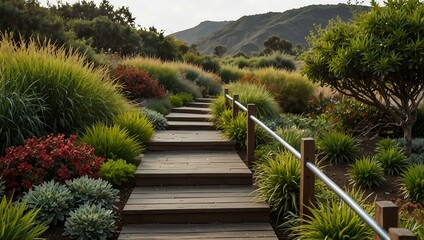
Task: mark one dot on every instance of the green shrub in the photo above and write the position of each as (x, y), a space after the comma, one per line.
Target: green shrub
(54, 201)
(210, 64)
(158, 120)
(416, 158)
(417, 144)
(337, 148)
(334, 219)
(276, 60)
(278, 181)
(366, 172)
(293, 135)
(413, 183)
(74, 93)
(90, 222)
(17, 223)
(230, 73)
(185, 97)
(117, 172)
(137, 125)
(162, 106)
(176, 101)
(385, 144)
(209, 83)
(392, 159)
(411, 216)
(112, 143)
(93, 191)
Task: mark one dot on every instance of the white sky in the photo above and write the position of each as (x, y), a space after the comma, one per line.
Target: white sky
(176, 15)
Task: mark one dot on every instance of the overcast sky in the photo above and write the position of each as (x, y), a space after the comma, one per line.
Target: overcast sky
(176, 15)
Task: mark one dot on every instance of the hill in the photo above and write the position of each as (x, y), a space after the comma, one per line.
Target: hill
(203, 29)
(248, 33)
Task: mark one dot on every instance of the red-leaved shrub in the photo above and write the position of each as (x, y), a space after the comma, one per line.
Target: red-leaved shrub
(138, 84)
(44, 159)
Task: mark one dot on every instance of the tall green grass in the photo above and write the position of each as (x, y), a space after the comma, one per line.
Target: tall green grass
(209, 83)
(70, 94)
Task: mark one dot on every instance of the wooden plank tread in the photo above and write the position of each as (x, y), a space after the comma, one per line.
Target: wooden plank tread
(188, 136)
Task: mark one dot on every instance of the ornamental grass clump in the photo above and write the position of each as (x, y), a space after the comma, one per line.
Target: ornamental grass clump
(412, 183)
(137, 125)
(278, 181)
(112, 143)
(366, 172)
(293, 135)
(93, 191)
(71, 92)
(337, 148)
(90, 222)
(53, 200)
(392, 159)
(18, 223)
(117, 172)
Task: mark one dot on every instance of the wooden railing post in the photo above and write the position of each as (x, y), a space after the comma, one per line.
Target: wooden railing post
(251, 111)
(307, 178)
(387, 216)
(226, 103)
(235, 106)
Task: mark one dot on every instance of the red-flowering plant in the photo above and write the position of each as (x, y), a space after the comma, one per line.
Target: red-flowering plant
(43, 159)
(138, 84)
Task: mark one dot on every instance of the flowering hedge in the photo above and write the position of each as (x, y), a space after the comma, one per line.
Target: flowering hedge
(44, 159)
(138, 84)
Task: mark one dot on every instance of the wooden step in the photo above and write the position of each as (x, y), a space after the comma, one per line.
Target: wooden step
(192, 168)
(216, 231)
(180, 125)
(193, 117)
(198, 104)
(208, 100)
(194, 204)
(195, 110)
(182, 140)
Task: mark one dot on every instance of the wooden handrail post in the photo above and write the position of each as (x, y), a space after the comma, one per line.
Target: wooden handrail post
(251, 111)
(226, 103)
(307, 178)
(401, 234)
(386, 215)
(235, 106)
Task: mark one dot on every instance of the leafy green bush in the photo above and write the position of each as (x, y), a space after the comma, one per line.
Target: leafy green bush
(54, 201)
(180, 99)
(112, 143)
(17, 223)
(413, 183)
(117, 172)
(276, 60)
(417, 144)
(90, 222)
(278, 181)
(230, 73)
(163, 106)
(158, 120)
(93, 191)
(73, 93)
(137, 125)
(293, 135)
(366, 172)
(392, 159)
(385, 144)
(337, 147)
(209, 83)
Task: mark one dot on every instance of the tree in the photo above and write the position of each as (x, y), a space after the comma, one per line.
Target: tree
(219, 50)
(275, 43)
(377, 59)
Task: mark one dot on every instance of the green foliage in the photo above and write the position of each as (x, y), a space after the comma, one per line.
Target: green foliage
(278, 181)
(411, 216)
(17, 223)
(117, 172)
(210, 64)
(90, 222)
(157, 119)
(366, 172)
(334, 219)
(276, 44)
(417, 144)
(2, 187)
(53, 200)
(317, 127)
(276, 60)
(337, 147)
(72, 93)
(413, 183)
(112, 143)
(209, 83)
(231, 73)
(392, 159)
(293, 135)
(178, 100)
(137, 125)
(386, 144)
(163, 106)
(93, 191)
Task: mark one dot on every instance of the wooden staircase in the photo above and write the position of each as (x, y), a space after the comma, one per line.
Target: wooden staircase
(191, 184)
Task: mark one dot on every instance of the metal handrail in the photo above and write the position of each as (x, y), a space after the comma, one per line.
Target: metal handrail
(330, 184)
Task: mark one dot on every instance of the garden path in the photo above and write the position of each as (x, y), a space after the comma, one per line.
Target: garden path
(192, 184)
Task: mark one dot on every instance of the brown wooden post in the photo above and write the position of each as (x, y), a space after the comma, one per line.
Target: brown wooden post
(235, 106)
(251, 111)
(307, 178)
(226, 103)
(386, 215)
(401, 234)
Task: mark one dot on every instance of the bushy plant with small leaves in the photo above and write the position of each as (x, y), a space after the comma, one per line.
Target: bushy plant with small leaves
(336, 147)
(137, 125)
(158, 120)
(117, 172)
(55, 201)
(392, 159)
(412, 183)
(90, 221)
(366, 172)
(293, 135)
(93, 191)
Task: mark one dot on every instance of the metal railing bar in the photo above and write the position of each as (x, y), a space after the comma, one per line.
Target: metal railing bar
(278, 138)
(229, 97)
(349, 201)
(241, 106)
